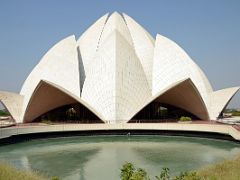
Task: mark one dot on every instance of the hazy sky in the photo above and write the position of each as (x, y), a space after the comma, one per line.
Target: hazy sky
(209, 31)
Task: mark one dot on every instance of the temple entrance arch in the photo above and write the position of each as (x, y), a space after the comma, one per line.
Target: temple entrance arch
(70, 113)
(160, 112)
(181, 100)
(53, 103)
(4, 113)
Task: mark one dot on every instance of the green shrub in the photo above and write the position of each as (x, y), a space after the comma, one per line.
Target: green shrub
(188, 176)
(129, 172)
(46, 121)
(185, 118)
(139, 174)
(228, 169)
(164, 175)
(55, 178)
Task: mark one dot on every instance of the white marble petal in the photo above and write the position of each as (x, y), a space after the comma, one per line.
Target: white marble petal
(59, 65)
(171, 64)
(115, 69)
(220, 99)
(13, 103)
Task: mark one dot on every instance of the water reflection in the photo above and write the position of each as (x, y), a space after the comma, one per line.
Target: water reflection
(53, 159)
(63, 162)
(182, 156)
(102, 157)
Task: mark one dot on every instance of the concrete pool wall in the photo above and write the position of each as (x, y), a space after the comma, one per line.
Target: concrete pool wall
(32, 131)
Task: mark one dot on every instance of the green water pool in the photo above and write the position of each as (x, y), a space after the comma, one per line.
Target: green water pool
(101, 157)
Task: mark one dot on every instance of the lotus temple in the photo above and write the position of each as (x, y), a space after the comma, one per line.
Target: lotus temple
(116, 72)
(118, 95)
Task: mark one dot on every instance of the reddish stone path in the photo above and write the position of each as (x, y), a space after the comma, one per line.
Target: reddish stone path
(237, 127)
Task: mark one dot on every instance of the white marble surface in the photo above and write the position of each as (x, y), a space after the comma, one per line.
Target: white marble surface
(115, 69)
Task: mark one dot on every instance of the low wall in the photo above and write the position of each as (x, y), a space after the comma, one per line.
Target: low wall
(185, 129)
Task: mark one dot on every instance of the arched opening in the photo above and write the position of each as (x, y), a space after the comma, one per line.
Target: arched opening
(180, 100)
(3, 110)
(70, 113)
(231, 109)
(50, 103)
(6, 118)
(157, 112)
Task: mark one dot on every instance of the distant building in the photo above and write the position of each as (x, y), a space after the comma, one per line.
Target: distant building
(116, 71)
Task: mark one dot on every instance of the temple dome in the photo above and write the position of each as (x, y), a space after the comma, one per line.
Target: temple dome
(115, 69)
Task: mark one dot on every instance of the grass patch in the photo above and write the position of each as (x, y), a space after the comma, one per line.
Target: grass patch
(46, 121)
(8, 172)
(226, 170)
